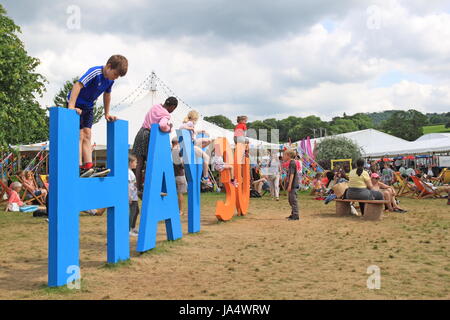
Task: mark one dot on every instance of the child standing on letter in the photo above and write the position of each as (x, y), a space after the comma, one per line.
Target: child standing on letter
(96, 81)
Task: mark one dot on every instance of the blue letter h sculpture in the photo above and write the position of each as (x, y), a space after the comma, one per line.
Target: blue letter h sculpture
(69, 194)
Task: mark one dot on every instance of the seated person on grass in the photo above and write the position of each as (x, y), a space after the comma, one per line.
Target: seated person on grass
(14, 202)
(318, 189)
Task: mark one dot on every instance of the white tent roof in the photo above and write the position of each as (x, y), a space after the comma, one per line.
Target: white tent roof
(136, 112)
(375, 143)
(371, 141)
(432, 136)
(33, 147)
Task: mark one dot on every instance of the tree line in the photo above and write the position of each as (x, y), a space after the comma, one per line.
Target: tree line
(407, 125)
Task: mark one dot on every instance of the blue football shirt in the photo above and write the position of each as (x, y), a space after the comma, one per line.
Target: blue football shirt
(95, 84)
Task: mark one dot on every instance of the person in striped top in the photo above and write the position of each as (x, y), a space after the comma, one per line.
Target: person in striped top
(85, 92)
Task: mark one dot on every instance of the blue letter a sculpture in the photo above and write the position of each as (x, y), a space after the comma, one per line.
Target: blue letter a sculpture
(193, 168)
(69, 194)
(159, 178)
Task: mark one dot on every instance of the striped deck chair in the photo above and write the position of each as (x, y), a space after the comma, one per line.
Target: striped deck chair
(403, 188)
(4, 190)
(446, 176)
(31, 196)
(425, 191)
(42, 179)
(439, 180)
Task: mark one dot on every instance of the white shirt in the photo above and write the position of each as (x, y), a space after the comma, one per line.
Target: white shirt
(274, 168)
(132, 189)
(218, 163)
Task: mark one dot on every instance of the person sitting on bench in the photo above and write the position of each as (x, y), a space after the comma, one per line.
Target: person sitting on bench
(360, 186)
(388, 193)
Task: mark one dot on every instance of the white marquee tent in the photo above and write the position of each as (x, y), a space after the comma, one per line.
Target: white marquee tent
(374, 143)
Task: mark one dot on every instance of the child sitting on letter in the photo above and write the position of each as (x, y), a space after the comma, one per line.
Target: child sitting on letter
(220, 165)
(189, 124)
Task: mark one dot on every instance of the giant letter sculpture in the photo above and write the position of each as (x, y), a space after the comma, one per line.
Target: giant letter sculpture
(193, 167)
(69, 194)
(225, 210)
(242, 173)
(160, 194)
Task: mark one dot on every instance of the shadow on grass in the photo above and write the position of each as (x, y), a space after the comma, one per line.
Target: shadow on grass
(161, 248)
(118, 265)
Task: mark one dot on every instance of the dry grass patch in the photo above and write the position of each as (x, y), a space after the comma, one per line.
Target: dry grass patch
(260, 256)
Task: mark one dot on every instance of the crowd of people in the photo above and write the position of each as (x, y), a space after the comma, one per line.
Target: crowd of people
(280, 170)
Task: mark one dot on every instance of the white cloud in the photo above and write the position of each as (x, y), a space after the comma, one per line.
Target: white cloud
(300, 72)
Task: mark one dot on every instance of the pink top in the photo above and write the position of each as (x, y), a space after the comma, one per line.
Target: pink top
(14, 198)
(157, 114)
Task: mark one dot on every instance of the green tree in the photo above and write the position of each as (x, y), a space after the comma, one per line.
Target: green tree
(221, 121)
(447, 125)
(362, 121)
(310, 126)
(407, 125)
(285, 125)
(333, 148)
(21, 118)
(342, 126)
(60, 99)
(258, 125)
(272, 123)
(255, 131)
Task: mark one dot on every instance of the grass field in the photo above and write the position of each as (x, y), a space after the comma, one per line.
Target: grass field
(259, 256)
(435, 129)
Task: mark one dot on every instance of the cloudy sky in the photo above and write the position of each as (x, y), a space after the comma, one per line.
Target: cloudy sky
(256, 57)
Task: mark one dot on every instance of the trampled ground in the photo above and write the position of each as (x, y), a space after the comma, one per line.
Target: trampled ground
(260, 256)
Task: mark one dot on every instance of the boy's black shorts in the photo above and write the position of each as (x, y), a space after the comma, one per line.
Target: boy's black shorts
(86, 118)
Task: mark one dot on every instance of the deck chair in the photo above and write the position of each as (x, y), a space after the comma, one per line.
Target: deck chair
(42, 178)
(425, 191)
(4, 190)
(445, 176)
(403, 187)
(39, 199)
(439, 180)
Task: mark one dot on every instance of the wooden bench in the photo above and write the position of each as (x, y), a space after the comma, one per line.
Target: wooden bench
(373, 209)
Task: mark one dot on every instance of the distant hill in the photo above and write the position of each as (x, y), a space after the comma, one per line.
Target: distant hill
(433, 118)
(378, 117)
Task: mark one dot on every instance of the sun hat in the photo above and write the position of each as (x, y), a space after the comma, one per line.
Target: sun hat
(375, 175)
